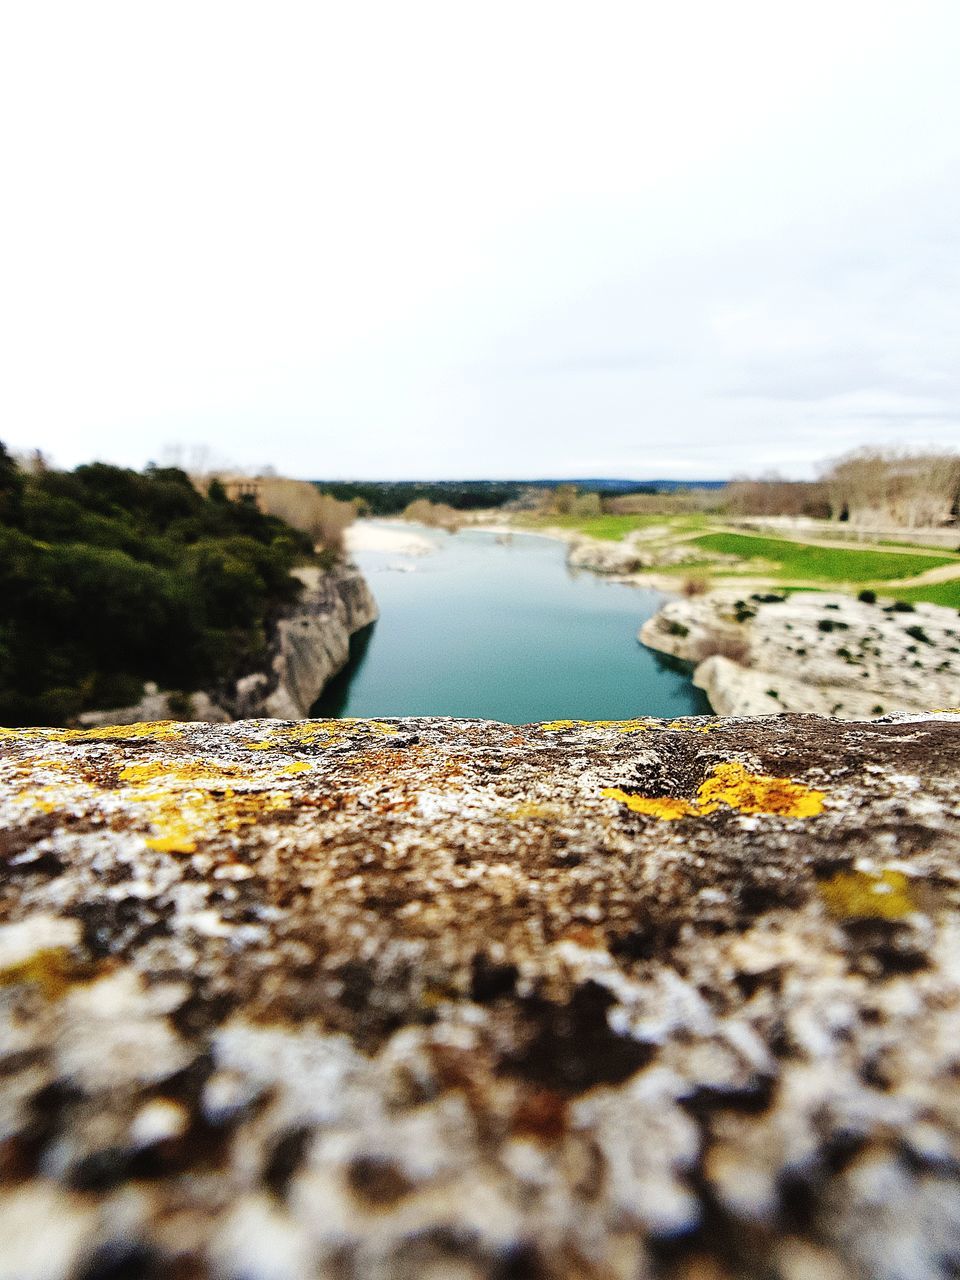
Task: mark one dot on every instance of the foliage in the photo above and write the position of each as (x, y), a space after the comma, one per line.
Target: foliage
(110, 577)
(437, 515)
(319, 515)
(722, 644)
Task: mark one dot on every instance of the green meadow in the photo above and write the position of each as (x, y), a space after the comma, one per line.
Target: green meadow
(779, 560)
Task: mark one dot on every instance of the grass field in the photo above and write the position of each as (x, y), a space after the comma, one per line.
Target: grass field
(824, 564)
(611, 528)
(946, 593)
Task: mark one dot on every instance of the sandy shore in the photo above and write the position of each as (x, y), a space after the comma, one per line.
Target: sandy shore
(367, 535)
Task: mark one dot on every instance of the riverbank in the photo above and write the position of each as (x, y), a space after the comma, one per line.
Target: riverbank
(664, 551)
(819, 652)
(309, 643)
(386, 535)
(775, 624)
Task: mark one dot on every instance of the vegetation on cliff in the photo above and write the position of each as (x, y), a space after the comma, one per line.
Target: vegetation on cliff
(110, 577)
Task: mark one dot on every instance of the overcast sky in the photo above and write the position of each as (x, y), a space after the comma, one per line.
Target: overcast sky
(480, 239)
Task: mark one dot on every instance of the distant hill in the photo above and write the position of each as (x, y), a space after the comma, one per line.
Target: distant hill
(597, 485)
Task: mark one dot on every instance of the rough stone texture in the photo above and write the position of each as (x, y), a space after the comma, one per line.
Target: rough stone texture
(820, 652)
(432, 998)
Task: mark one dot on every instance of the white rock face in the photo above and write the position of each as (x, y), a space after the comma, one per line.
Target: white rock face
(637, 552)
(814, 651)
(313, 643)
(154, 705)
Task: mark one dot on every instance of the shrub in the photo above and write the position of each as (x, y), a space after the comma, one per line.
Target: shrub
(673, 628)
(867, 597)
(438, 515)
(918, 633)
(722, 644)
(900, 606)
(695, 586)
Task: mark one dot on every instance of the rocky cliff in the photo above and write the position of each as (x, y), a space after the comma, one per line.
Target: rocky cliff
(814, 651)
(309, 645)
(433, 998)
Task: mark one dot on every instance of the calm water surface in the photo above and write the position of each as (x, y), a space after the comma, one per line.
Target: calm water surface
(504, 631)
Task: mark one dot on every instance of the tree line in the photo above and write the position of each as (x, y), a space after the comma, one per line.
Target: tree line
(110, 577)
(870, 487)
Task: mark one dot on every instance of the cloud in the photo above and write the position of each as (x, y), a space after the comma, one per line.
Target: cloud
(429, 240)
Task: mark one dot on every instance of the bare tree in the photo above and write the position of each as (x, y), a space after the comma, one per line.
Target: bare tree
(873, 486)
(302, 505)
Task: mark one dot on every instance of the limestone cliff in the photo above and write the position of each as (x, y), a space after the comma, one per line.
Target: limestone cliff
(821, 652)
(435, 998)
(309, 645)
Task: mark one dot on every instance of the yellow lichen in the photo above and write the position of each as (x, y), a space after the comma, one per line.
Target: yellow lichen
(617, 726)
(319, 732)
(667, 808)
(731, 785)
(861, 895)
(182, 801)
(162, 730)
(531, 809)
(182, 818)
(50, 969)
(688, 727)
(641, 725)
(179, 770)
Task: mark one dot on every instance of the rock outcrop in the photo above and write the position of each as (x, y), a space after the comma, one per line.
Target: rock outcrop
(639, 552)
(434, 998)
(819, 652)
(309, 645)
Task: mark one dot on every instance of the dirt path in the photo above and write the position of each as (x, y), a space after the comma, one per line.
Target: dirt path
(942, 573)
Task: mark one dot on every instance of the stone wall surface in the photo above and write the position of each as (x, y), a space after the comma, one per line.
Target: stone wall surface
(453, 999)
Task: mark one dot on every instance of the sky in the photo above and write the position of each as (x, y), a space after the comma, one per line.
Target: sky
(520, 239)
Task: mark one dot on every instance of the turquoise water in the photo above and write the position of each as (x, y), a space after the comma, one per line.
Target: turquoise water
(504, 631)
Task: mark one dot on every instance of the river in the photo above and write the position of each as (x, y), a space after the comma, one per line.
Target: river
(503, 630)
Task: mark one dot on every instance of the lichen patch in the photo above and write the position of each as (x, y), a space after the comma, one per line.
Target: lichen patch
(322, 733)
(732, 786)
(865, 895)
